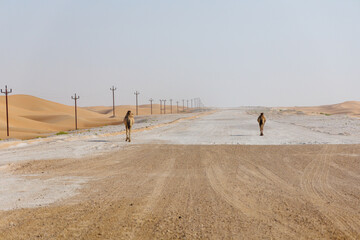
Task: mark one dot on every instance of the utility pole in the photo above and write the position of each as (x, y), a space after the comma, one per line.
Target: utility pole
(151, 100)
(113, 89)
(160, 106)
(137, 104)
(171, 106)
(177, 106)
(6, 92)
(183, 104)
(164, 106)
(187, 104)
(191, 103)
(75, 98)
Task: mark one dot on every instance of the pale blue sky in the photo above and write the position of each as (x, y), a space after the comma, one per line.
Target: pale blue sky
(229, 53)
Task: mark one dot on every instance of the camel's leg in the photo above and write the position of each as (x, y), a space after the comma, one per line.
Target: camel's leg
(262, 130)
(129, 134)
(126, 134)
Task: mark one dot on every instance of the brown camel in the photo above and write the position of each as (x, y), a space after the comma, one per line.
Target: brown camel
(129, 122)
(261, 120)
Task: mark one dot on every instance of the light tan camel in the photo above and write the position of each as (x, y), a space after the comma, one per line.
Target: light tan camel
(261, 120)
(129, 122)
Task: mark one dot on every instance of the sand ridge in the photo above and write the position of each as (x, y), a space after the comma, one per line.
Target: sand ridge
(351, 108)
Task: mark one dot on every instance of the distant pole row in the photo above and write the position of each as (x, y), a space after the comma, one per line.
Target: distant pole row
(195, 103)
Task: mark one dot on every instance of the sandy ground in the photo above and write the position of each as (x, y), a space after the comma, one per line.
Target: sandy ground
(187, 177)
(32, 117)
(351, 108)
(87, 142)
(239, 126)
(199, 192)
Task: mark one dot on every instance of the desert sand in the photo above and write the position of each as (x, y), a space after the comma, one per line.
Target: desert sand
(189, 176)
(350, 108)
(32, 117)
(198, 192)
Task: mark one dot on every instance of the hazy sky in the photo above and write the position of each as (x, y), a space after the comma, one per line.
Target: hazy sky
(228, 53)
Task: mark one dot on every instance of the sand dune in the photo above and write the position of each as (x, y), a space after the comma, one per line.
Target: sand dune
(32, 117)
(351, 108)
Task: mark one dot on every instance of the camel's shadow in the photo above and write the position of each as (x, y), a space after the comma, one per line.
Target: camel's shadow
(98, 141)
(239, 135)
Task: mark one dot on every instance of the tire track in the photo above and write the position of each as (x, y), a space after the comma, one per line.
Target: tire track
(315, 184)
(220, 192)
(86, 220)
(242, 199)
(152, 199)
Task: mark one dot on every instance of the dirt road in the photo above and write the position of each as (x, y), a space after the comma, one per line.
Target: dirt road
(200, 192)
(239, 126)
(187, 177)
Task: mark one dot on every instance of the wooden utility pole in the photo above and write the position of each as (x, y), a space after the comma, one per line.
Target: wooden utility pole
(164, 106)
(187, 104)
(75, 98)
(113, 95)
(183, 104)
(151, 100)
(6, 92)
(137, 104)
(160, 106)
(191, 103)
(177, 106)
(171, 106)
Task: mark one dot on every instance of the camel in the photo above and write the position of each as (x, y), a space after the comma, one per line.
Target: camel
(261, 120)
(129, 122)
